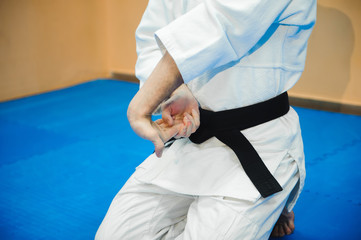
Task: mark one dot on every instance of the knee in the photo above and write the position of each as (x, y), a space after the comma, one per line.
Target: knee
(116, 229)
(101, 234)
(107, 231)
(106, 235)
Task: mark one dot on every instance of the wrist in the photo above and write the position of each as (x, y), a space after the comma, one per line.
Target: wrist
(135, 111)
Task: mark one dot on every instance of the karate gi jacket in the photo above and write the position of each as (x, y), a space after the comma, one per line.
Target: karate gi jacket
(230, 53)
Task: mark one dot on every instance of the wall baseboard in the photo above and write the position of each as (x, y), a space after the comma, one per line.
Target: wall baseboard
(325, 105)
(128, 77)
(294, 101)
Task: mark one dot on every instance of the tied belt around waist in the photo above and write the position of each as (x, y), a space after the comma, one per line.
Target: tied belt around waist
(226, 126)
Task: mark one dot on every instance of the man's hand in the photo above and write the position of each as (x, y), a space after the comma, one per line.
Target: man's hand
(157, 132)
(180, 112)
(164, 79)
(181, 107)
(180, 118)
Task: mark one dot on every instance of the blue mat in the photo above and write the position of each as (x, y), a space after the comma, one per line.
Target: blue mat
(65, 154)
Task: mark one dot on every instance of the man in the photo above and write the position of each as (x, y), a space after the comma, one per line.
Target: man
(236, 58)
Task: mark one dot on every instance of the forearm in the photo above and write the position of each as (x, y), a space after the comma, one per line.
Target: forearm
(164, 79)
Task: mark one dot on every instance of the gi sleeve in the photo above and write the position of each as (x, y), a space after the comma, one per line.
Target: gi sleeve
(217, 32)
(155, 17)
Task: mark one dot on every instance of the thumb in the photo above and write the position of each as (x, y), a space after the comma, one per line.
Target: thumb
(166, 115)
(168, 110)
(158, 146)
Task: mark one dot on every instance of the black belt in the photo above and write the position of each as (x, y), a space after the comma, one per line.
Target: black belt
(226, 126)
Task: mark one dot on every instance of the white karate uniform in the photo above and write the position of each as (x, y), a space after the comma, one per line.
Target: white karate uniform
(231, 54)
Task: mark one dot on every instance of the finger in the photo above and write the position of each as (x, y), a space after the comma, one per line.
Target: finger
(281, 232)
(159, 121)
(286, 229)
(167, 116)
(181, 131)
(192, 127)
(196, 117)
(165, 131)
(185, 127)
(275, 231)
(291, 224)
(189, 126)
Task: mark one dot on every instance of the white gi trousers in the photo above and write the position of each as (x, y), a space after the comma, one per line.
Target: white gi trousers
(142, 211)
